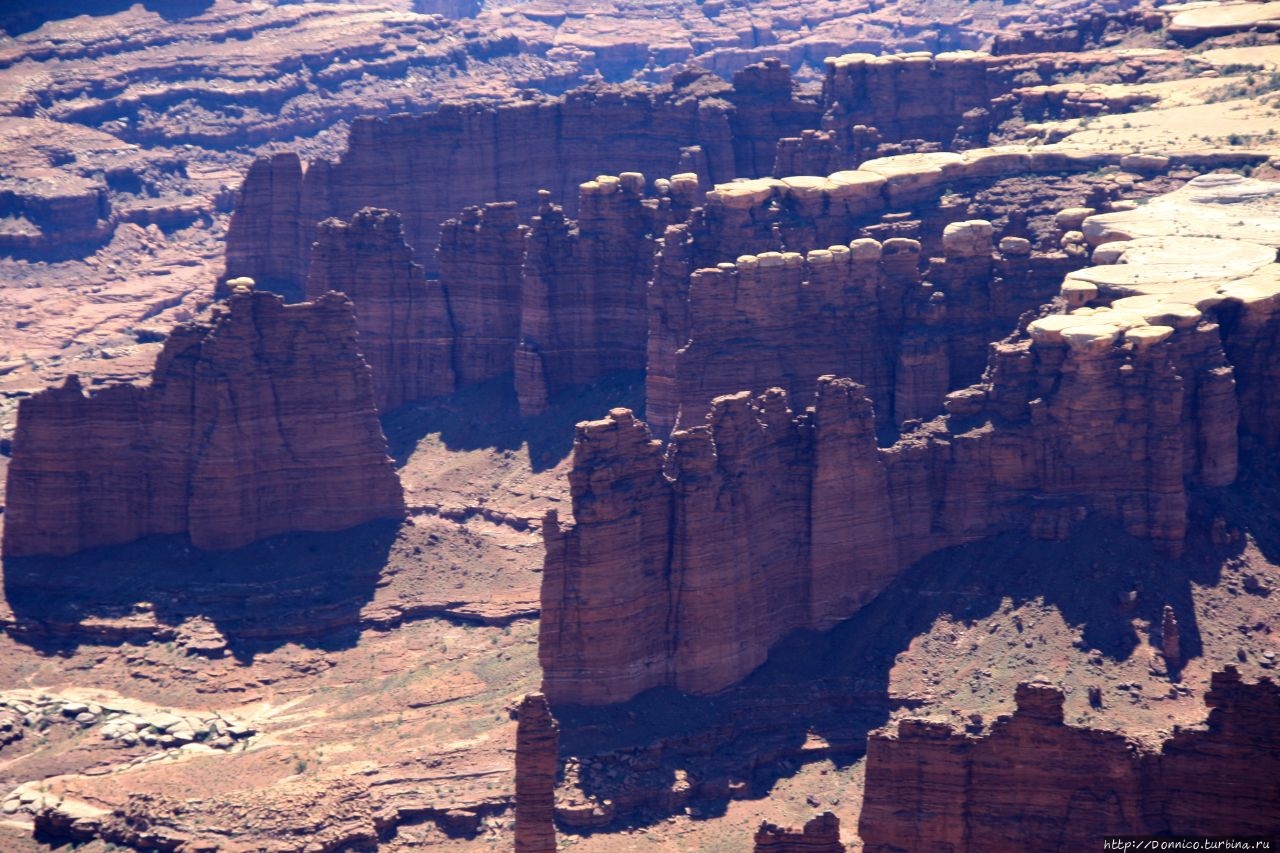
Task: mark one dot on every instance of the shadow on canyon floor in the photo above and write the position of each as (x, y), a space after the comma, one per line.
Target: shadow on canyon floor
(307, 588)
(832, 689)
(488, 416)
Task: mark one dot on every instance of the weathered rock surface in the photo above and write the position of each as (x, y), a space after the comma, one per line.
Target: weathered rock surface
(727, 556)
(780, 318)
(550, 306)
(537, 760)
(584, 288)
(257, 421)
(762, 284)
(481, 262)
(582, 641)
(930, 787)
(403, 320)
(428, 167)
(819, 835)
(65, 189)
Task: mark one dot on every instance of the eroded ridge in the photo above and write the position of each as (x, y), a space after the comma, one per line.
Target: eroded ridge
(763, 520)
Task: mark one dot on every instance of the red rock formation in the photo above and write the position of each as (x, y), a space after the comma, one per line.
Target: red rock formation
(257, 421)
(480, 257)
(820, 835)
(583, 310)
(609, 572)
(820, 520)
(929, 787)
(765, 110)
(266, 238)
(783, 319)
(537, 759)
(736, 580)
(908, 96)
(428, 167)
(405, 333)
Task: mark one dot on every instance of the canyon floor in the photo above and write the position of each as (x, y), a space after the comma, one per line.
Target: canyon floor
(358, 687)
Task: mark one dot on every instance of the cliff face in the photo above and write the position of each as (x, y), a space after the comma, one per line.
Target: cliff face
(862, 309)
(930, 787)
(429, 167)
(550, 306)
(763, 521)
(762, 285)
(257, 421)
(1132, 385)
(404, 320)
(583, 292)
(481, 258)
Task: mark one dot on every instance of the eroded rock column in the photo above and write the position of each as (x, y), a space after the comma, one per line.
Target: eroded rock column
(537, 756)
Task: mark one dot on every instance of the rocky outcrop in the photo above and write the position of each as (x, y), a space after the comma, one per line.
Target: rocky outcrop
(763, 282)
(309, 815)
(722, 557)
(610, 571)
(909, 96)
(766, 109)
(861, 309)
(257, 421)
(537, 759)
(480, 258)
(583, 296)
(429, 167)
(265, 240)
(551, 306)
(819, 835)
(403, 319)
(931, 787)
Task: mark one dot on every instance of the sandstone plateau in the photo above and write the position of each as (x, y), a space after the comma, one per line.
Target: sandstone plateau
(434, 424)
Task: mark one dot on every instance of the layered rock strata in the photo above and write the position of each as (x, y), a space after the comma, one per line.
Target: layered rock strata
(759, 521)
(481, 261)
(862, 309)
(549, 306)
(930, 787)
(583, 290)
(404, 320)
(257, 421)
(428, 167)
(537, 758)
(819, 835)
(758, 252)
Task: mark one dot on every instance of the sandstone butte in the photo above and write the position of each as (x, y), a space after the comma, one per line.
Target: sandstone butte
(258, 420)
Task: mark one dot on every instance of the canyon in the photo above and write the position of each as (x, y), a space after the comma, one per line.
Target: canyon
(447, 425)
